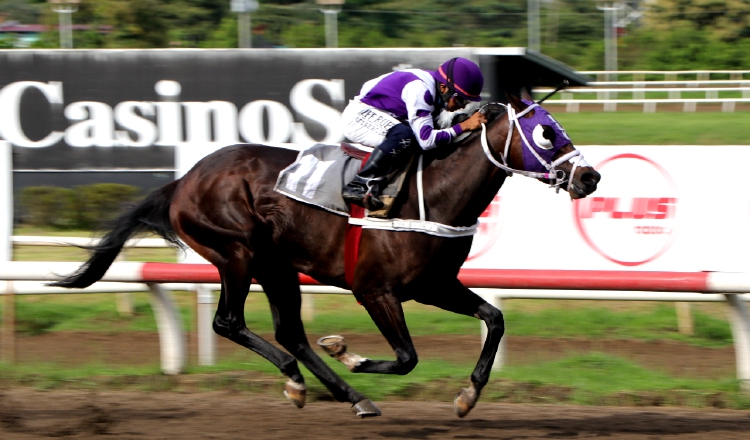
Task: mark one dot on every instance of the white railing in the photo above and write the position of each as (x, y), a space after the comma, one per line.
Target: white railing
(705, 75)
(699, 90)
(491, 284)
(41, 240)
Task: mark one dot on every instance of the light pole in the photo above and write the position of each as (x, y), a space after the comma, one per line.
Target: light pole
(243, 8)
(330, 10)
(533, 23)
(610, 35)
(65, 9)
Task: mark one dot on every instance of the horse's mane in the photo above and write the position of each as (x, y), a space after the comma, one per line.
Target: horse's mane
(493, 110)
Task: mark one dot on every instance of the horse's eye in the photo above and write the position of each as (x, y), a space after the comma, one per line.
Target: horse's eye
(544, 136)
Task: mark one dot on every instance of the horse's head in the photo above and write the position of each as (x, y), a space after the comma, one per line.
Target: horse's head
(540, 148)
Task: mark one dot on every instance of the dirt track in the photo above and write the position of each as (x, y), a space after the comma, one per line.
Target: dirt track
(29, 414)
(26, 413)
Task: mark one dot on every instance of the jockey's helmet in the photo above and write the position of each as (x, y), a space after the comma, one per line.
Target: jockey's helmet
(462, 76)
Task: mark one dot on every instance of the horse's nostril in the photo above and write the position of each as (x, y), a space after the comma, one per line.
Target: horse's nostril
(591, 178)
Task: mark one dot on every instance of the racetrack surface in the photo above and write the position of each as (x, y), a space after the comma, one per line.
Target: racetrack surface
(33, 414)
(105, 413)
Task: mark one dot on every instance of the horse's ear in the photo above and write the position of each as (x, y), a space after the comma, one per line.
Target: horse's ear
(516, 102)
(525, 95)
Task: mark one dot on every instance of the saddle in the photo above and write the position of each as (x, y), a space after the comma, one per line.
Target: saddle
(319, 173)
(395, 179)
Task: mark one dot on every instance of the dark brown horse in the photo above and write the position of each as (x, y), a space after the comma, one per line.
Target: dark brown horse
(226, 209)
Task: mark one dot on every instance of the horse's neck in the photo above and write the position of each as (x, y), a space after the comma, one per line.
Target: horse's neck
(459, 187)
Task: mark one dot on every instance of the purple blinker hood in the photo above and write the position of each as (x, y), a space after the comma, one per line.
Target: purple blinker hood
(528, 124)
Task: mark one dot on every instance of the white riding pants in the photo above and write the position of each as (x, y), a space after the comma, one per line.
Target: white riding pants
(365, 124)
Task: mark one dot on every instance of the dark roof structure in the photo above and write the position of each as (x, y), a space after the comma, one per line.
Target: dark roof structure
(508, 69)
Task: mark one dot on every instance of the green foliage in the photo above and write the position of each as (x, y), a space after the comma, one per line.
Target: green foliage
(95, 204)
(83, 207)
(6, 42)
(48, 206)
(23, 11)
(673, 35)
(225, 36)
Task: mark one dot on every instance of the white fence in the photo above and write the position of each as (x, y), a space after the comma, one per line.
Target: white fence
(489, 283)
(729, 90)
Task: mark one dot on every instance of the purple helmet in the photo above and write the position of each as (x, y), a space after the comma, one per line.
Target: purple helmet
(462, 76)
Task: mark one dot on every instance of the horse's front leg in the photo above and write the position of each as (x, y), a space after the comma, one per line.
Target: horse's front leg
(453, 296)
(386, 311)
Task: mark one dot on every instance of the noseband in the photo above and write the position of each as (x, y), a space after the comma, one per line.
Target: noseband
(555, 176)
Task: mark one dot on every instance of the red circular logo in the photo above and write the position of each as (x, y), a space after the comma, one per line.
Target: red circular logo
(632, 219)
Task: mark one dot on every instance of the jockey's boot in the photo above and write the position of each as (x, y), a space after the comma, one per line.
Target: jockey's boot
(365, 187)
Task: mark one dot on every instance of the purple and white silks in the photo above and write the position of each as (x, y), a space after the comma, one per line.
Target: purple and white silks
(409, 95)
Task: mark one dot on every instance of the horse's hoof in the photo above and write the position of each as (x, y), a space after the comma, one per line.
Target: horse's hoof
(296, 392)
(334, 345)
(465, 401)
(365, 408)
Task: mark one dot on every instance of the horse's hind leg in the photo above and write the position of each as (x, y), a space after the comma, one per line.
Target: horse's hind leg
(281, 284)
(230, 323)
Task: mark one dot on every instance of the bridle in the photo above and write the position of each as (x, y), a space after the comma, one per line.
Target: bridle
(555, 176)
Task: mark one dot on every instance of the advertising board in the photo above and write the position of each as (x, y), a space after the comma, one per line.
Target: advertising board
(664, 208)
(128, 109)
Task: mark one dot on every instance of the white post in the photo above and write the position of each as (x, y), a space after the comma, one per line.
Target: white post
(243, 8)
(205, 331)
(244, 34)
(610, 9)
(65, 10)
(7, 321)
(171, 336)
(533, 25)
(684, 317)
(308, 307)
(330, 10)
(740, 322)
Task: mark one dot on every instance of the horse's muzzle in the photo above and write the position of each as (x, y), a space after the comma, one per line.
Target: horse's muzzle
(584, 184)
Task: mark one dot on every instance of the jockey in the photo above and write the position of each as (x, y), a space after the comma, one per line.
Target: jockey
(392, 108)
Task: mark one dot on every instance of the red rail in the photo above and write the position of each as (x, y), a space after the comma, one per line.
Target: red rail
(489, 278)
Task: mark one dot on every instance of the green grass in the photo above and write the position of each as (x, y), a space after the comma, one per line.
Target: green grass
(591, 379)
(654, 323)
(597, 378)
(342, 314)
(88, 312)
(661, 128)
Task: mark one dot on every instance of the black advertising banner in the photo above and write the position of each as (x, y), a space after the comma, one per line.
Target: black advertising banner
(128, 109)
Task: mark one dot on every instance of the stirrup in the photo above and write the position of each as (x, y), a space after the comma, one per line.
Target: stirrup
(372, 202)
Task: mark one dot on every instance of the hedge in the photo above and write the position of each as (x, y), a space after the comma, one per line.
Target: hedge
(82, 207)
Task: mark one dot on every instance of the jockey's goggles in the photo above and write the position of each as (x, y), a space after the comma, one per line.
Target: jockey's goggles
(460, 100)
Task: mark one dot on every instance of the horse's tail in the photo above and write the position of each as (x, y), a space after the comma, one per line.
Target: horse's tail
(152, 214)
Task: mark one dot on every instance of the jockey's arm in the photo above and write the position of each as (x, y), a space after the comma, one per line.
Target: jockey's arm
(420, 106)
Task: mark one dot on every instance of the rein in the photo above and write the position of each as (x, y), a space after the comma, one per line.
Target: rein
(555, 176)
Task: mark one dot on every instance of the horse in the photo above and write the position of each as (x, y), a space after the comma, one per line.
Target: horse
(225, 209)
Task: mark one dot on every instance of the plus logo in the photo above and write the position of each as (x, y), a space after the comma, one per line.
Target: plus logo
(633, 218)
